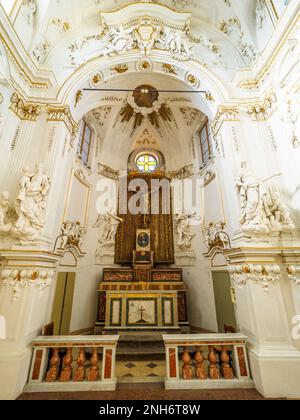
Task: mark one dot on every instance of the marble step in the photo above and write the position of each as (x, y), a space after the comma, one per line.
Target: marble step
(140, 338)
(140, 347)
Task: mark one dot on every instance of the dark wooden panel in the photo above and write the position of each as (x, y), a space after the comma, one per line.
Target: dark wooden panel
(161, 227)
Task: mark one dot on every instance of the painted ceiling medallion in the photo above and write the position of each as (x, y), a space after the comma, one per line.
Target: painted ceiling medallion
(145, 96)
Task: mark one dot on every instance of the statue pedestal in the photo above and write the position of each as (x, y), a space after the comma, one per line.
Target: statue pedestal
(129, 303)
(186, 258)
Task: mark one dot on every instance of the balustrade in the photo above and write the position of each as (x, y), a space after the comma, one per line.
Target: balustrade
(207, 361)
(73, 363)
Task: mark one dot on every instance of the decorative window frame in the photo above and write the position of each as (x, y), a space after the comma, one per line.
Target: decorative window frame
(132, 166)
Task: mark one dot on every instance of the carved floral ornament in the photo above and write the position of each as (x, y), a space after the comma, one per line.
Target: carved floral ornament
(28, 111)
(24, 279)
(264, 275)
(259, 111)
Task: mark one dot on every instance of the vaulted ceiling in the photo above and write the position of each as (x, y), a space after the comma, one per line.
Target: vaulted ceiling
(171, 133)
(227, 30)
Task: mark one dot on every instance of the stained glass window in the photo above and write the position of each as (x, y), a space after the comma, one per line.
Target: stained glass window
(146, 163)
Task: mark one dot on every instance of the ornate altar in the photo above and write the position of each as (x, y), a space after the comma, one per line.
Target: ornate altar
(142, 299)
(143, 292)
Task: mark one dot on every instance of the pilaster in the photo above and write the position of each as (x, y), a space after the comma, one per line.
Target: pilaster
(26, 282)
(265, 315)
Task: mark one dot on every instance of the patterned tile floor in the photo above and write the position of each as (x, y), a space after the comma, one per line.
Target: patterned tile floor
(147, 370)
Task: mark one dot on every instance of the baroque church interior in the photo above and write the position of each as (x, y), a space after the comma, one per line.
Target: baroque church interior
(149, 196)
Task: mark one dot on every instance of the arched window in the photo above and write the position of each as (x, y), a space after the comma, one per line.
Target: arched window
(146, 162)
(84, 143)
(204, 136)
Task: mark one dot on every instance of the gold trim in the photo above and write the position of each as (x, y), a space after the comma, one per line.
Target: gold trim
(63, 114)
(26, 111)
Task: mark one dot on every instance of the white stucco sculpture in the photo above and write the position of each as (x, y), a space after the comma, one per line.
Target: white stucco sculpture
(277, 213)
(5, 223)
(71, 234)
(261, 13)
(41, 50)
(185, 236)
(30, 204)
(109, 223)
(175, 42)
(249, 192)
(145, 35)
(262, 209)
(117, 39)
(215, 236)
(30, 7)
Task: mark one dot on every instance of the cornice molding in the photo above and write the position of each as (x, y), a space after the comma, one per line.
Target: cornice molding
(26, 111)
(264, 275)
(21, 59)
(225, 114)
(108, 172)
(261, 68)
(23, 279)
(263, 110)
(62, 113)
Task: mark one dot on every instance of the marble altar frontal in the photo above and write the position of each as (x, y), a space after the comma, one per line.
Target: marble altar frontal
(142, 312)
(129, 305)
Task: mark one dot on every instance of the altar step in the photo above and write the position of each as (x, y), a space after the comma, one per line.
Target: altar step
(140, 347)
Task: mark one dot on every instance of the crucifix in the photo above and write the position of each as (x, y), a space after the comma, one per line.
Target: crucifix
(142, 310)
